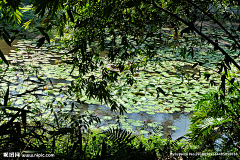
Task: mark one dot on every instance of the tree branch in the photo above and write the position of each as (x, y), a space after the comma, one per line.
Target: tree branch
(200, 33)
(230, 35)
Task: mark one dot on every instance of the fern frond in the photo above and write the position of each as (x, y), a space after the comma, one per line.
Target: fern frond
(209, 122)
(119, 136)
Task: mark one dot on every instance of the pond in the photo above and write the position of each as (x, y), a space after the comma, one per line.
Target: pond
(167, 115)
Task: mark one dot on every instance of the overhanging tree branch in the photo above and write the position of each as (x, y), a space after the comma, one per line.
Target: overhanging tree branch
(230, 35)
(196, 30)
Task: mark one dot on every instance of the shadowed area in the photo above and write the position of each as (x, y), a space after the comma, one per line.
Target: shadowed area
(5, 48)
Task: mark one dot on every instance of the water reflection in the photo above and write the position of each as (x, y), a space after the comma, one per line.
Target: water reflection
(175, 119)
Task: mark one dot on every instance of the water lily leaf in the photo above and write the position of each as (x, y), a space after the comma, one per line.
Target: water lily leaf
(129, 111)
(135, 111)
(152, 125)
(113, 126)
(173, 127)
(136, 123)
(67, 109)
(130, 120)
(107, 117)
(150, 113)
(121, 120)
(142, 109)
(19, 102)
(188, 110)
(144, 132)
(104, 128)
(176, 109)
(159, 134)
(127, 127)
(124, 124)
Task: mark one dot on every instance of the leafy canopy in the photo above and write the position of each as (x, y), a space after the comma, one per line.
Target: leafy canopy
(129, 21)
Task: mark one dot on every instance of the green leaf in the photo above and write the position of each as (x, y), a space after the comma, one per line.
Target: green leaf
(15, 109)
(14, 35)
(70, 15)
(107, 117)
(24, 9)
(208, 122)
(43, 10)
(227, 61)
(159, 89)
(194, 65)
(222, 86)
(47, 37)
(6, 96)
(173, 127)
(183, 52)
(186, 30)
(6, 33)
(107, 11)
(26, 24)
(3, 58)
(130, 4)
(18, 15)
(6, 39)
(41, 29)
(40, 42)
(24, 119)
(62, 131)
(191, 52)
(3, 127)
(207, 75)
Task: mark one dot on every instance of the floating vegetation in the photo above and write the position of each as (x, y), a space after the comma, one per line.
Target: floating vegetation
(182, 84)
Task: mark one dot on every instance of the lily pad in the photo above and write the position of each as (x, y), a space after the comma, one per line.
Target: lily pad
(173, 127)
(104, 128)
(121, 120)
(113, 126)
(137, 124)
(127, 127)
(144, 132)
(107, 117)
(152, 124)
